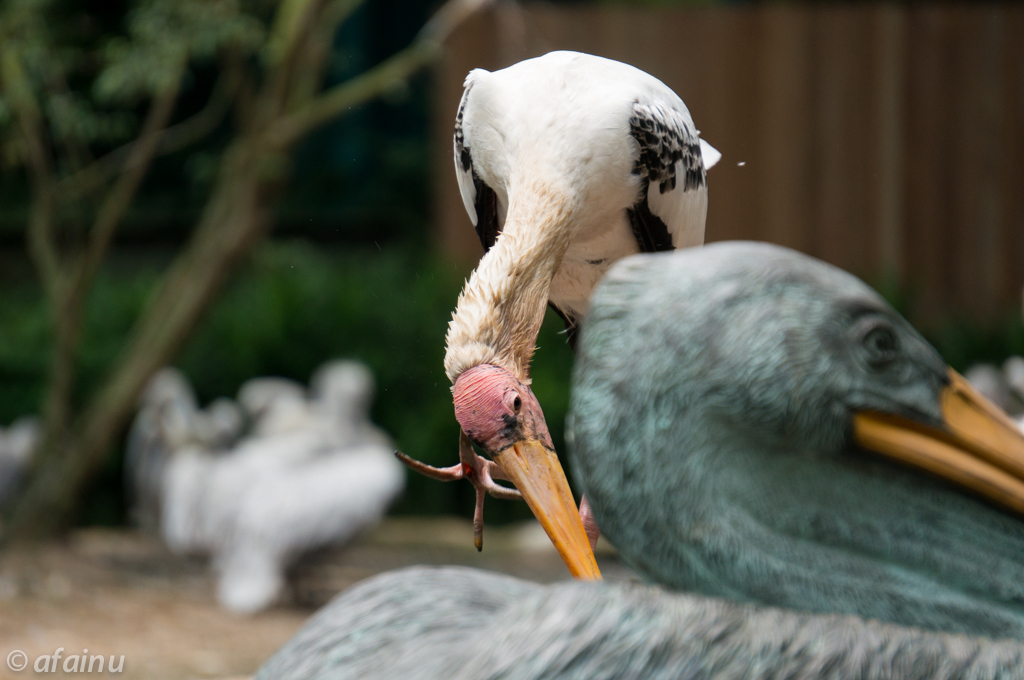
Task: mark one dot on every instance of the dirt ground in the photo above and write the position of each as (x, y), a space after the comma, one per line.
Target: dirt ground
(118, 592)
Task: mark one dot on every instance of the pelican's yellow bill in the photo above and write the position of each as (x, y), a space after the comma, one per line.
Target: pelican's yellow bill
(536, 472)
(978, 447)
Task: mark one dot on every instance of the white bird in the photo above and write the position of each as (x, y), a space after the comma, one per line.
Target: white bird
(169, 419)
(1013, 369)
(342, 396)
(17, 444)
(566, 163)
(274, 405)
(309, 480)
(1004, 386)
(341, 391)
(991, 382)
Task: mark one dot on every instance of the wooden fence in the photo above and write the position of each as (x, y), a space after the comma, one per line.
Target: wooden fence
(888, 140)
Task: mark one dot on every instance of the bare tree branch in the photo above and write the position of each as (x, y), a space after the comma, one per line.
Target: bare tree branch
(383, 77)
(120, 197)
(293, 24)
(40, 233)
(449, 17)
(335, 14)
(60, 95)
(314, 58)
(388, 74)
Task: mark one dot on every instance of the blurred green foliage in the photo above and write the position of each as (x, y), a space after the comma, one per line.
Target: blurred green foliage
(90, 70)
(293, 307)
(297, 304)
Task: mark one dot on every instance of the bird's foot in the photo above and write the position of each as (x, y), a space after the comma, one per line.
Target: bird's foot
(480, 472)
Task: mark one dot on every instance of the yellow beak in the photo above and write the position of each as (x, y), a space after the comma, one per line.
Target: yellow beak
(536, 472)
(978, 447)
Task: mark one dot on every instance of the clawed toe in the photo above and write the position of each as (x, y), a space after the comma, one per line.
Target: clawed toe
(446, 474)
(480, 472)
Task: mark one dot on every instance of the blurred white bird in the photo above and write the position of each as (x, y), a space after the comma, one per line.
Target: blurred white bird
(339, 407)
(274, 405)
(314, 472)
(1003, 386)
(1013, 369)
(169, 420)
(17, 444)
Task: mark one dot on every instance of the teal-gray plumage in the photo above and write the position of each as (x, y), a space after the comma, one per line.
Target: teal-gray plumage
(710, 423)
(712, 399)
(454, 623)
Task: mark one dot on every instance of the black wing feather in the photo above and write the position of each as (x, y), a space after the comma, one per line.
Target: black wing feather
(487, 227)
(651, 232)
(664, 141)
(486, 212)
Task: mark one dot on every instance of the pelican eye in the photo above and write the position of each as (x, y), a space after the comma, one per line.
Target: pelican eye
(881, 345)
(517, 404)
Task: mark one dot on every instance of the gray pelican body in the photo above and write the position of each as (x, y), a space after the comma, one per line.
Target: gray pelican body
(745, 444)
(455, 623)
(718, 398)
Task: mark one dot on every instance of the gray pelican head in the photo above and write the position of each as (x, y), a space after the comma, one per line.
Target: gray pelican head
(751, 423)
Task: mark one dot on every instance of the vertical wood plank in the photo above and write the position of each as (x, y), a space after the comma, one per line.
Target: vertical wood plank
(890, 35)
(784, 163)
(846, 210)
(1012, 136)
(927, 208)
(974, 101)
(724, 120)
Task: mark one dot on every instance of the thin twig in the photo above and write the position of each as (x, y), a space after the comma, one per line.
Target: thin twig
(293, 24)
(120, 197)
(390, 73)
(308, 76)
(364, 87)
(78, 153)
(40, 233)
(335, 13)
(448, 18)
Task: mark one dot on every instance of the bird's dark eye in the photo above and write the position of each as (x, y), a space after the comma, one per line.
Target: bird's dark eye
(517, 404)
(881, 345)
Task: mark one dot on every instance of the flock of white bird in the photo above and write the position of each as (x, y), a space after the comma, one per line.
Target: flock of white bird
(257, 483)
(253, 484)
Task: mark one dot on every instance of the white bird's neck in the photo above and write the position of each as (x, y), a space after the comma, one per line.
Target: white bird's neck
(501, 307)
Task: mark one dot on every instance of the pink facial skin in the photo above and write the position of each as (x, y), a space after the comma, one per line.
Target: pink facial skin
(496, 410)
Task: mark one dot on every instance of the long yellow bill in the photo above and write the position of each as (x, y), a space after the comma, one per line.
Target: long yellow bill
(536, 472)
(978, 447)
